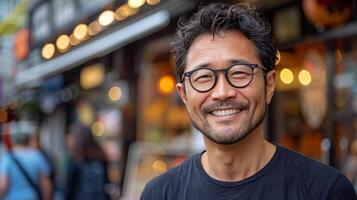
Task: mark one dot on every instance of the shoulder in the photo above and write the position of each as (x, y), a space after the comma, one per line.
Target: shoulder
(342, 189)
(28, 152)
(164, 184)
(37, 159)
(318, 178)
(36, 155)
(307, 165)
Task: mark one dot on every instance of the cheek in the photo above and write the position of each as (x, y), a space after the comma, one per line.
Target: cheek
(195, 101)
(255, 95)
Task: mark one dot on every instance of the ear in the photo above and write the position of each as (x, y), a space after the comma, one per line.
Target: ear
(270, 85)
(180, 87)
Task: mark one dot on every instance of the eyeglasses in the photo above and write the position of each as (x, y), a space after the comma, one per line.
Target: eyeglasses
(237, 75)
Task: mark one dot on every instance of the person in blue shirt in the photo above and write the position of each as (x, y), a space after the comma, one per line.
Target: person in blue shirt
(13, 184)
(225, 59)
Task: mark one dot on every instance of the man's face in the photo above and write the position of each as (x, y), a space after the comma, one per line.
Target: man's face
(226, 114)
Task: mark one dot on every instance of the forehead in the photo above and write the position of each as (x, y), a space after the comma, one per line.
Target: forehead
(219, 50)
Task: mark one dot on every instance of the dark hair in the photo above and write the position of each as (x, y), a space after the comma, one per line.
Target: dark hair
(216, 18)
(85, 147)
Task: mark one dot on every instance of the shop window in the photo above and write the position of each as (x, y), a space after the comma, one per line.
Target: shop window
(164, 128)
(301, 100)
(345, 106)
(163, 117)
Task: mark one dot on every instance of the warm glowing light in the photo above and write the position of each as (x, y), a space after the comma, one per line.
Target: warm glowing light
(286, 76)
(73, 40)
(97, 128)
(81, 31)
(48, 51)
(278, 58)
(3, 116)
(304, 77)
(339, 56)
(354, 146)
(114, 93)
(166, 84)
(85, 113)
(136, 3)
(106, 18)
(94, 28)
(152, 2)
(125, 11)
(62, 43)
(159, 166)
(92, 76)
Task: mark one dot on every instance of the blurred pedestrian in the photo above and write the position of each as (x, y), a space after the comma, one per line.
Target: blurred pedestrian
(87, 177)
(23, 170)
(36, 143)
(225, 57)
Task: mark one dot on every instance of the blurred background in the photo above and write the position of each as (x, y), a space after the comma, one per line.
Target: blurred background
(106, 64)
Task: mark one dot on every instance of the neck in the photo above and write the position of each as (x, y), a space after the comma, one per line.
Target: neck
(238, 161)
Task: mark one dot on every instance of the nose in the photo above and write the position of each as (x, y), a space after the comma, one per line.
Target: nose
(223, 90)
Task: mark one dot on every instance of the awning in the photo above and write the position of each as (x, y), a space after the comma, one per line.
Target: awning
(105, 44)
(96, 48)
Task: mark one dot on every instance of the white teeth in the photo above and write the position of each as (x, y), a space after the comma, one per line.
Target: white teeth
(225, 112)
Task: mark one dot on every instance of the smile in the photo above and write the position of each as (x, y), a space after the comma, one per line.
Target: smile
(225, 112)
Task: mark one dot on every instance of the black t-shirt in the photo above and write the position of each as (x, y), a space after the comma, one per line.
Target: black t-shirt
(287, 176)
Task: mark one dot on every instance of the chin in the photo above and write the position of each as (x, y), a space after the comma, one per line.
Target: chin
(223, 138)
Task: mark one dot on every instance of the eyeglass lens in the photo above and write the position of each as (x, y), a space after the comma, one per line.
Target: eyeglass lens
(205, 79)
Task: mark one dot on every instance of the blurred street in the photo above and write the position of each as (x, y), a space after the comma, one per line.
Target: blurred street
(95, 80)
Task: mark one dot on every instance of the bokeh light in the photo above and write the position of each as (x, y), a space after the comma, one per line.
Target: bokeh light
(159, 166)
(286, 76)
(94, 28)
(114, 93)
(152, 2)
(73, 40)
(62, 43)
(97, 128)
(106, 18)
(125, 11)
(92, 76)
(166, 84)
(136, 3)
(305, 77)
(80, 31)
(48, 51)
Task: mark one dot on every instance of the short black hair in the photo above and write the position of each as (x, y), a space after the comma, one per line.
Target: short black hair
(216, 18)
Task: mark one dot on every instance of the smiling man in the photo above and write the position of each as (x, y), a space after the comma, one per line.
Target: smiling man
(225, 57)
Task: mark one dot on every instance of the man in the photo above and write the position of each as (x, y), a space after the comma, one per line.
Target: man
(225, 58)
(13, 182)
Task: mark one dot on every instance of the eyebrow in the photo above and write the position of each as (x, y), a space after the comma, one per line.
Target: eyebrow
(231, 62)
(239, 61)
(204, 65)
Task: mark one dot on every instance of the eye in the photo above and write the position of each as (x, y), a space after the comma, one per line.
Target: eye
(239, 74)
(202, 75)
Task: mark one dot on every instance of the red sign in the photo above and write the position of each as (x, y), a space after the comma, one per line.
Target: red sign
(21, 44)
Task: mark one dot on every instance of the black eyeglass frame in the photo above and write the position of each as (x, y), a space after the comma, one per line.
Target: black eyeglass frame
(225, 70)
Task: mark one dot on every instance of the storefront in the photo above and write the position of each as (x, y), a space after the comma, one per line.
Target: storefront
(85, 69)
(119, 80)
(314, 109)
